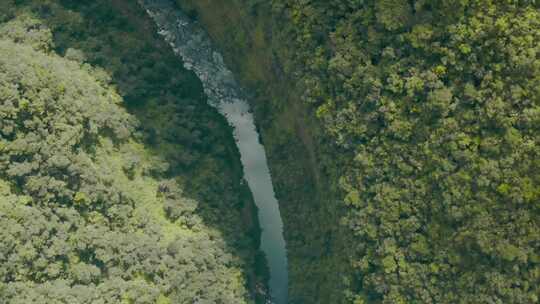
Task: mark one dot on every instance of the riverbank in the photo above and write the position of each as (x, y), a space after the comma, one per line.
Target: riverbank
(193, 45)
(303, 165)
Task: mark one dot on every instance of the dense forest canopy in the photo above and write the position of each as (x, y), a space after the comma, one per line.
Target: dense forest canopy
(117, 184)
(109, 190)
(435, 109)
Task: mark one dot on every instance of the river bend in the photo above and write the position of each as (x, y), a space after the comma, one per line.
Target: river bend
(194, 46)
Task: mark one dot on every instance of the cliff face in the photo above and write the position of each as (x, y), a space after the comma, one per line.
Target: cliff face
(302, 167)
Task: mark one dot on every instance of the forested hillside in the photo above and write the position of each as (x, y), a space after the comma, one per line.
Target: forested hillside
(118, 184)
(431, 118)
(437, 105)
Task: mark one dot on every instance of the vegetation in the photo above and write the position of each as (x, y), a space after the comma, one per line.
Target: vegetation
(419, 182)
(437, 105)
(431, 111)
(118, 184)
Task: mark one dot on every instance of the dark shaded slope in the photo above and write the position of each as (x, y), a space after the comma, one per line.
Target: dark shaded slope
(304, 168)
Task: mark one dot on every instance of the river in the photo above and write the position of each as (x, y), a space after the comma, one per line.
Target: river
(193, 44)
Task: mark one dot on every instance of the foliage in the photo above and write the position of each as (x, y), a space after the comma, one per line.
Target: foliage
(436, 105)
(91, 209)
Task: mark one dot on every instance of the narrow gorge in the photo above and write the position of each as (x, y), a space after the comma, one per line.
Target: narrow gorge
(191, 43)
